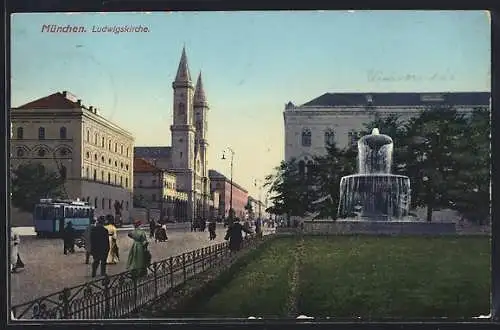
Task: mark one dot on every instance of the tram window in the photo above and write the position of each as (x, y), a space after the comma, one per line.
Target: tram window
(81, 213)
(69, 212)
(57, 212)
(50, 213)
(91, 213)
(45, 211)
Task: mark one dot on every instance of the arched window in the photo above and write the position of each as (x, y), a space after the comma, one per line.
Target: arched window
(41, 133)
(20, 133)
(329, 137)
(63, 134)
(182, 109)
(102, 142)
(302, 167)
(102, 203)
(95, 178)
(109, 178)
(95, 203)
(306, 137)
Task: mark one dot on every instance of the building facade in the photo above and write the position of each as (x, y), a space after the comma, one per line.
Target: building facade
(334, 116)
(155, 188)
(187, 157)
(222, 185)
(94, 154)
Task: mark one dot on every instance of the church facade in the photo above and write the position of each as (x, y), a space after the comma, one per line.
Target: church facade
(334, 116)
(187, 156)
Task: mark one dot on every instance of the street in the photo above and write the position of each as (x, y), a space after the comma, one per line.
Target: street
(47, 270)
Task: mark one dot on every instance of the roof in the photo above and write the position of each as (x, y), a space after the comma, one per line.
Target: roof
(183, 74)
(400, 99)
(143, 166)
(153, 152)
(59, 100)
(213, 174)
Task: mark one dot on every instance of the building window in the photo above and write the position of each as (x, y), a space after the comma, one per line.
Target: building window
(20, 133)
(126, 206)
(109, 161)
(102, 159)
(95, 138)
(95, 203)
(109, 178)
(109, 203)
(116, 163)
(121, 180)
(116, 180)
(121, 150)
(88, 136)
(95, 176)
(102, 142)
(126, 182)
(329, 137)
(126, 166)
(41, 153)
(41, 133)
(116, 147)
(87, 172)
(182, 110)
(64, 152)
(109, 145)
(20, 153)
(88, 154)
(180, 154)
(127, 152)
(306, 137)
(95, 157)
(102, 203)
(102, 176)
(121, 165)
(63, 134)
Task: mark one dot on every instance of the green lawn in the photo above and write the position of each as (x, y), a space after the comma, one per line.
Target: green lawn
(370, 277)
(260, 288)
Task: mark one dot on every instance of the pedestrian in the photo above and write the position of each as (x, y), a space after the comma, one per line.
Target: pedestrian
(99, 246)
(15, 259)
(86, 240)
(139, 256)
(69, 238)
(235, 235)
(113, 255)
(258, 228)
(211, 230)
(152, 228)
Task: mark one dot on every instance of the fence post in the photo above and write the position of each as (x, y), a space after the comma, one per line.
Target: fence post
(184, 266)
(203, 258)
(107, 297)
(135, 279)
(65, 299)
(171, 271)
(155, 276)
(194, 261)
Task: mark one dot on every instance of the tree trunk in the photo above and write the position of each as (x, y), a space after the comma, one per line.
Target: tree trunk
(429, 212)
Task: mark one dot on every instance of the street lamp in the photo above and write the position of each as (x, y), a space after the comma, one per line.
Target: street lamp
(258, 183)
(161, 186)
(231, 192)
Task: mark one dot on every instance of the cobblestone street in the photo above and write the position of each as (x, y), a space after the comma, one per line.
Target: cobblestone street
(47, 270)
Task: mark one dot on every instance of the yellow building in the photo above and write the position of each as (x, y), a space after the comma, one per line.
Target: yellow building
(95, 155)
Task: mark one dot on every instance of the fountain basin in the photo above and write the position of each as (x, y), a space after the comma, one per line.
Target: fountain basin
(374, 197)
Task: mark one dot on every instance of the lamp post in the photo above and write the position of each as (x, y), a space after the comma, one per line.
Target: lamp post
(229, 149)
(161, 186)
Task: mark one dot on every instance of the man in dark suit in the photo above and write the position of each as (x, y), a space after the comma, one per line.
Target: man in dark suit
(99, 247)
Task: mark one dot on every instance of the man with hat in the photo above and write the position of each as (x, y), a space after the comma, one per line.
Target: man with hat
(99, 246)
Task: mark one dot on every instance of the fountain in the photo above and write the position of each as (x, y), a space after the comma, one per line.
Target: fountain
(374, 201)
(374, 193)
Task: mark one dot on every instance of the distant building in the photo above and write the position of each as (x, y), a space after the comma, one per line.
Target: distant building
(155, 188)
(334, 116)
(187, 156)
(94, 154)
(222, 185)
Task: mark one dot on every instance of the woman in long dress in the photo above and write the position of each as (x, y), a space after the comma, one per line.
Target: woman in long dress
(113, 257)
(139, 257)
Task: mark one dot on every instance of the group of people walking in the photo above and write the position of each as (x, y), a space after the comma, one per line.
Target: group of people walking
(101, 242)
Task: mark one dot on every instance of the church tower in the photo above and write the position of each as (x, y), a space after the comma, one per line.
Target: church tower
(200, 107)
(183, 132)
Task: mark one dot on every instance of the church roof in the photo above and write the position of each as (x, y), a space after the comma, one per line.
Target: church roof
(143, 166)
(399, 99)
(199, 92)
(213, 174)
(183, 74)
(59, 100)
(152, 152)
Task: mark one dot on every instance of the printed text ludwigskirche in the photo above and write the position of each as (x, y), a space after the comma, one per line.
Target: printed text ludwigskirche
(115, 29)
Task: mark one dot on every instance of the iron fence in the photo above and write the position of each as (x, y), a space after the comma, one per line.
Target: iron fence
(121, 294)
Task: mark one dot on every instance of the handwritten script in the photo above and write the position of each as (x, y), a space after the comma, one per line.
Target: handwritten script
(380, 76)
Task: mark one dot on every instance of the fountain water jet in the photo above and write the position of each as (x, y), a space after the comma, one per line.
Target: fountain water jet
(374, 193)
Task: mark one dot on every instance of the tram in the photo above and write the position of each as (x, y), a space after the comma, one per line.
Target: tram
(51, 216)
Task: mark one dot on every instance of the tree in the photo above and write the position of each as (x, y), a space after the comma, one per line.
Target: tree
(471, 193)
(433, 156)
(33, 181)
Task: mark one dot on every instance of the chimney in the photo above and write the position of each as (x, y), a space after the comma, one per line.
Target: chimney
(79, 102)
(65, 93)
(91, 108)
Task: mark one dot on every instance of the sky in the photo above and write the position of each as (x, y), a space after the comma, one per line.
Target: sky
(252, 64)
